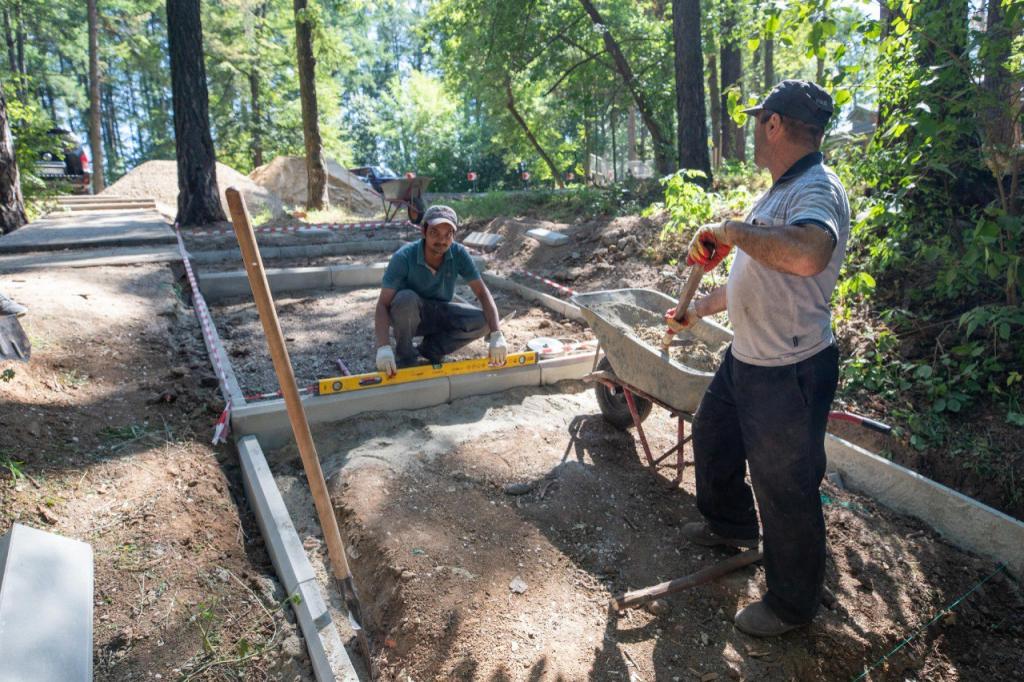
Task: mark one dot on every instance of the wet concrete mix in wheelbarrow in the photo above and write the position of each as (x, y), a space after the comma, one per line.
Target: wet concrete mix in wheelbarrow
(685, 350)
(487, 536)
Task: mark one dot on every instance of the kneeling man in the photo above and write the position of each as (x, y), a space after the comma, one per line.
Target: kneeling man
(416, 299)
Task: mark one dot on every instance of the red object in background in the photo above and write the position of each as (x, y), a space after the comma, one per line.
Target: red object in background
(471, 176)
(410, 174)
(526, 175)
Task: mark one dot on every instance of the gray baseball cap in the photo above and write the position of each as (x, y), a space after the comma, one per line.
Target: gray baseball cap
(802, 100)
(440, 214)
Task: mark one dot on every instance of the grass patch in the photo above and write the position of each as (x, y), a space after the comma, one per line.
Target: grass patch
(117, 438)
(13, 467)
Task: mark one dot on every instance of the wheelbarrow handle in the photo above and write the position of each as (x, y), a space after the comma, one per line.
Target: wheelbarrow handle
(859, 420)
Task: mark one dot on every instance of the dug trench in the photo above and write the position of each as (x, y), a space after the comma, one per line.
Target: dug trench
(488, 535)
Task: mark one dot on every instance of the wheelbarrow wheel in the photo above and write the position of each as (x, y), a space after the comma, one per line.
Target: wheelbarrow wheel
(614, 407)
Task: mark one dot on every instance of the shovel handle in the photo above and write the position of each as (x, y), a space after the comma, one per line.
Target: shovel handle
(693, 277)
(286, 378)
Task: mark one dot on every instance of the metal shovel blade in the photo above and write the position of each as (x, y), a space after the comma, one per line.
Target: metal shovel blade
(14, 345)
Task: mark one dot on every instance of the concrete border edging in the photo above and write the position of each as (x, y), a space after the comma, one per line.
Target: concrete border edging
(966, 522)
(269, 252)
(269, 420)
(558, 305)
(327, 653)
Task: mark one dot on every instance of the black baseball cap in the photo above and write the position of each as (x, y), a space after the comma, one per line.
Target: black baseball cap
(802, 100)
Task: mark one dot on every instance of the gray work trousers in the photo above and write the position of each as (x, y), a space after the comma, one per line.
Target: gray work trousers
(444, 326)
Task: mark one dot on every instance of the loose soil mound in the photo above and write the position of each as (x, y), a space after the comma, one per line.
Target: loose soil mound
(159, 180)
(461, 579)
(326, 325)
(286, 176)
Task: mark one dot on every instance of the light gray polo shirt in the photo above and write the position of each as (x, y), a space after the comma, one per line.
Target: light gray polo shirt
(778, 318)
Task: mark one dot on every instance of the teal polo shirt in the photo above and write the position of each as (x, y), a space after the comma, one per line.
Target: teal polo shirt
(408, 269)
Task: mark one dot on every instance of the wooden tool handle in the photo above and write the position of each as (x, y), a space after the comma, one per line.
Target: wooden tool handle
(693, 277)
(286, 378)
(705, 575)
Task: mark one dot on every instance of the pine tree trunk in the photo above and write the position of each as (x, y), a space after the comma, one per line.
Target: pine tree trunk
(715, 98)
(95, 139)
(257, 118)
(198, 198)
(316, 195)
(12, 206)
(689, 58)
(734, 143)
(769, 65)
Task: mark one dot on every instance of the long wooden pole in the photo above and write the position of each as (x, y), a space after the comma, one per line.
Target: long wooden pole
(296, 415)
(627, 599)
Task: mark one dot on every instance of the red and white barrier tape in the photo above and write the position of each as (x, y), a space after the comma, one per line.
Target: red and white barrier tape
(223, 425)
(305, 227)
(560, 287)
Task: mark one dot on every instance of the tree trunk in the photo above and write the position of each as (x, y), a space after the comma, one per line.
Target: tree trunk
(660, 141)
(257, 118)
(95, 141)
(1000, 124)
(769, 65)
(12, 207)
(631, 134)
(734, 143)
(715, 98)
(198, 198)
(692, 139)
(12, 58)
(510, 103)
(316, 174)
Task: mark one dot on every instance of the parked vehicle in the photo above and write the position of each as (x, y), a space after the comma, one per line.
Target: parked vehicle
(65, 160)
(374, 175)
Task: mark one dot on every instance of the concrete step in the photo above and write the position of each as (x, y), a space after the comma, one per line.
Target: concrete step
(46, 584)
(104, 207)
(101, 198)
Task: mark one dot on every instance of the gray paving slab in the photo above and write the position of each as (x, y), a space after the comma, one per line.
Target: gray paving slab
(88, 258)
(327, 654)
(46, 586)
(89, 229)
(573, 367)
(494, 381)
(551, 302)
(220, 285)
(547, 237)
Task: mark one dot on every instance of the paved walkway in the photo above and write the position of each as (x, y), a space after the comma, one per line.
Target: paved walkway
(86, 229)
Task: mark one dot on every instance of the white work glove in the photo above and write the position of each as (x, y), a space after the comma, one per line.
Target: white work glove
(498, 350)
(386, 361)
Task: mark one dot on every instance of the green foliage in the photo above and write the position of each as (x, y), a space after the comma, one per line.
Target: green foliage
(689, 206)
(7, 375)
(13, 467)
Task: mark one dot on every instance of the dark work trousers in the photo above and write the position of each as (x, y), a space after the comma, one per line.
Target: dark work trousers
(444, 326)
(773, 420)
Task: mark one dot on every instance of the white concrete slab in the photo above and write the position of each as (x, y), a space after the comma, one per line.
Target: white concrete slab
(482, 383)
(220, 285)
(547, 237)
(327, 654)
(482, 240)
(269, 419)
(551, 302)
(357, 275)
(570, 367)
(46, 586)
(965, 522)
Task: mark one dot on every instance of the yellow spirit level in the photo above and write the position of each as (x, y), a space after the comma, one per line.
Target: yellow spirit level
(372, 379)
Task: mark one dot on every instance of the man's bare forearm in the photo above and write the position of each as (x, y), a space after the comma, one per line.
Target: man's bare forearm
(714, 302)
(381, 322)
(802, 250)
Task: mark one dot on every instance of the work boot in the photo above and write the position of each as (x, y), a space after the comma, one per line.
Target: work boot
(9, 307)
(759, 620)
(698, 533)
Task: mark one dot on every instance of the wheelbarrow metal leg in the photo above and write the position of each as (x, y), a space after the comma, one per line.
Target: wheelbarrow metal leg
(638, 423)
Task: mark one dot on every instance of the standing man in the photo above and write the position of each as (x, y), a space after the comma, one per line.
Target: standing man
(768, 404)
(416, 299)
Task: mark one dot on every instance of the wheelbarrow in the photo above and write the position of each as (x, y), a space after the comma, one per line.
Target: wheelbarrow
(635, 375)
(407, 193)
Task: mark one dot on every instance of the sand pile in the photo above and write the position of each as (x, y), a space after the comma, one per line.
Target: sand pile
(159, 180)
(286, 177)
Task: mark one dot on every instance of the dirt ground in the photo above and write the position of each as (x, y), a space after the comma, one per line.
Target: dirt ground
(462, 580)
(325, 325)
(106, 439)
